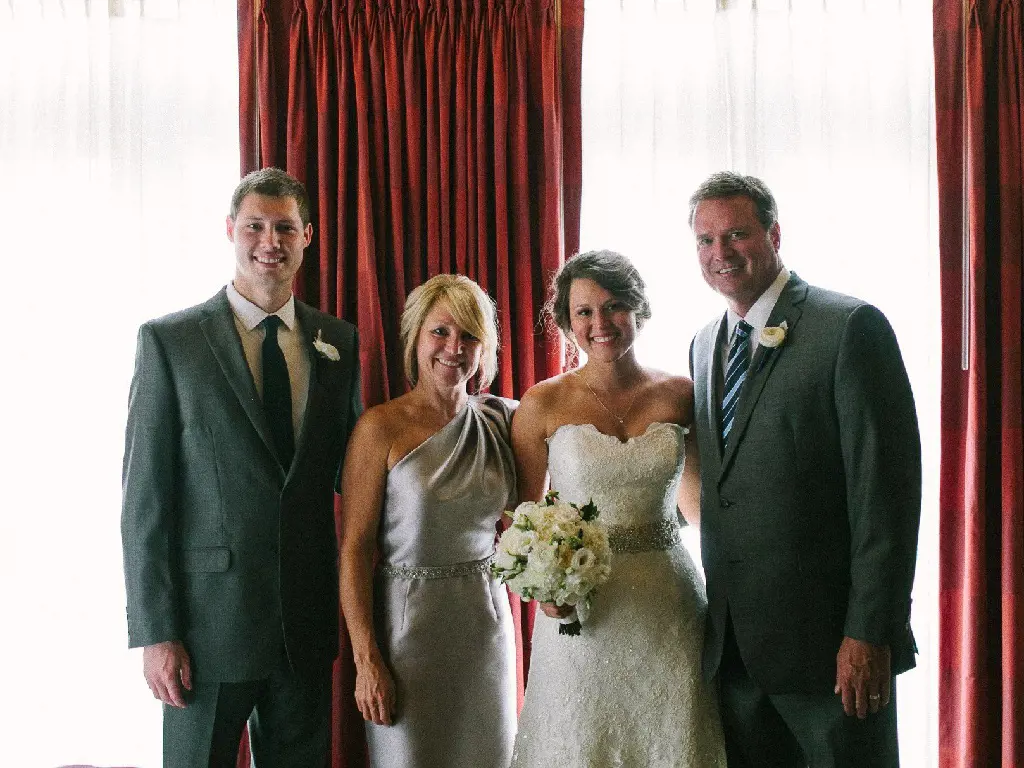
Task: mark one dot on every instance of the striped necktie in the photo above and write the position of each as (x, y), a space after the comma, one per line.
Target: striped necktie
(735, 375)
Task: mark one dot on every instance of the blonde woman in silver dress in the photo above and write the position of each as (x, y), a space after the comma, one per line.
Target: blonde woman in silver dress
(428, 476)
(628, 690)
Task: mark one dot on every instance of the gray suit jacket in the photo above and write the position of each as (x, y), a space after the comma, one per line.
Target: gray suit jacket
(809, 517)
(225, 549)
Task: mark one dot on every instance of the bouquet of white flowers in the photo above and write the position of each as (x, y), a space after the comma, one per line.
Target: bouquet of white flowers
(555, 552)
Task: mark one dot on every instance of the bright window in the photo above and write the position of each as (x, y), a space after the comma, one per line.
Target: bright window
(119, 152)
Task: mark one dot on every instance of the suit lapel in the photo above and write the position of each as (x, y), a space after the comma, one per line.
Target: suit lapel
(788, 309)
(309, 328)
(219, 328)
(714, 358)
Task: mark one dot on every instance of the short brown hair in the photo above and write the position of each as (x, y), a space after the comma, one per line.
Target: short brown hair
(612, 271)
(728, 184)
(272, 182)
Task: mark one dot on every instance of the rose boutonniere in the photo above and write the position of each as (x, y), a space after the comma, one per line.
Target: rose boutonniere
(326, 350)
(773, 336)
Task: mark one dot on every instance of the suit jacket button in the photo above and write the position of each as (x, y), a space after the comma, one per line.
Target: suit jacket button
(724, 503)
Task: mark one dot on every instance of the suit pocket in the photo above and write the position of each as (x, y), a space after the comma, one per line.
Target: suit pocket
(206, 560)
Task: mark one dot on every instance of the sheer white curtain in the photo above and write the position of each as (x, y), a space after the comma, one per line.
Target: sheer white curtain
(118, 153)
(831, 103)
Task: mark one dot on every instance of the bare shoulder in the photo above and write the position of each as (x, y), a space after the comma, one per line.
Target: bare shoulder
(544, 394)
(672, 384)
(379, 425)
(540, 405)
(671, 397)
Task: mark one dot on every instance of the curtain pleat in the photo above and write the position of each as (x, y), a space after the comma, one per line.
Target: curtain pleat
(430, 136)
(979, 110)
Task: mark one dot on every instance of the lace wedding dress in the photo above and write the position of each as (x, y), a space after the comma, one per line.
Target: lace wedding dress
(627, 691)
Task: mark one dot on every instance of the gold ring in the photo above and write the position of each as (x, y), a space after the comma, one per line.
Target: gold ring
(875, 697)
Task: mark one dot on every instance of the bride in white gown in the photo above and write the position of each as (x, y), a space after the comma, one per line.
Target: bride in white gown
(627, 691)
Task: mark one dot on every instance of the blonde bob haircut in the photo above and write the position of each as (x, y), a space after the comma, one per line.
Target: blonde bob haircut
(471, 308)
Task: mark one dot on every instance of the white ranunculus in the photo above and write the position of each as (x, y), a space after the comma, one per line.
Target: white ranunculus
(583, 559)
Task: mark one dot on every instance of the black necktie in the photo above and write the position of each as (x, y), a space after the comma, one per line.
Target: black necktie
(277, 391)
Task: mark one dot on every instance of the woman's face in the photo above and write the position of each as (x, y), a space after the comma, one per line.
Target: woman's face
(447, 355)
(602, 325)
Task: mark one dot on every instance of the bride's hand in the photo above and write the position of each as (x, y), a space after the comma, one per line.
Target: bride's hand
(556, 611)
(375, 692)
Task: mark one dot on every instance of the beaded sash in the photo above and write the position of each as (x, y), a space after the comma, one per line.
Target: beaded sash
(662, 534)
(410, 572)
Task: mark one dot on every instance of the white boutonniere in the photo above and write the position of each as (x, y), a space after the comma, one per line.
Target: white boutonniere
(327, 350)
(773, 336)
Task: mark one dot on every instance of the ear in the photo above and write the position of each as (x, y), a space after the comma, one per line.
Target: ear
(229, 225)
(307, 235)
(775, 233)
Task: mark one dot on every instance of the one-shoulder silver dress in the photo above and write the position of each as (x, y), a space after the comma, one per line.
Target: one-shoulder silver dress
(443, 624)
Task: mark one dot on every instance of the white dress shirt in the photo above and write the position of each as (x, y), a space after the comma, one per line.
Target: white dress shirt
(756, 317)
(289, 337)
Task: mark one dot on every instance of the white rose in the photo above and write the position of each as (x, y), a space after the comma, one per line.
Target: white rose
(773, 336)
(504, 560)
(516, 541)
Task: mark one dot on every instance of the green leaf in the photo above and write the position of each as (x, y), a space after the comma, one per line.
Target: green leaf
(589, 511)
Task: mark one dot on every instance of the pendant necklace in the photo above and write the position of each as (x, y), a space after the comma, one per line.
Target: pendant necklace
(621, 419)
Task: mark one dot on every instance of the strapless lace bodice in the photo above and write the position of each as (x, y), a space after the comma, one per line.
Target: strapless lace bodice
(627, 691)
(631, 482)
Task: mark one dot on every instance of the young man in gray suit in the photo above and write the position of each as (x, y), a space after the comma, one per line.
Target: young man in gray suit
(238, 417)
(810, 499)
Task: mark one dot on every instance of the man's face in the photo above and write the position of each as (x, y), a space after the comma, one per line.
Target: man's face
(739, 258)
(269, 240)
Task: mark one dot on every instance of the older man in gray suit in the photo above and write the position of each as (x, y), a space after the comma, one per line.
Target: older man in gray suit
(239, 413)
(810, 499)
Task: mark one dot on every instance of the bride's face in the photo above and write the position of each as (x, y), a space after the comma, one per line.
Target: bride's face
(602, 325)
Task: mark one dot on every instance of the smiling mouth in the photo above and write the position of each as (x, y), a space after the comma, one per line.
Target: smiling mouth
(269, 259)
(601, 339)
(448, 363)
(728, 270)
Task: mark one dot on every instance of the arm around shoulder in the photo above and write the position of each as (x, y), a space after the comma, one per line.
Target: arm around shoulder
(688, 494)
(529, 442)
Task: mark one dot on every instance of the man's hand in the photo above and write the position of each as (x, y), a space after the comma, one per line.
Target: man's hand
(167, 668)
(863, 676)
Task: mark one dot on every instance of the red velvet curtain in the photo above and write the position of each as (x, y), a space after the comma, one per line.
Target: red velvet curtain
(979, 79)
(433, 136)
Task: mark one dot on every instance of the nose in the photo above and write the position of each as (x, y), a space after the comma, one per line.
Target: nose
(270, 238)
(719, 248)
(454, 344)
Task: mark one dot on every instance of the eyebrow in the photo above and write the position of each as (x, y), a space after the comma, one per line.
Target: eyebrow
(270, 219)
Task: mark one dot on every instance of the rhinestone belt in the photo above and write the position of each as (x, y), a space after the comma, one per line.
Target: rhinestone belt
(663, 534)
(410, 572)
